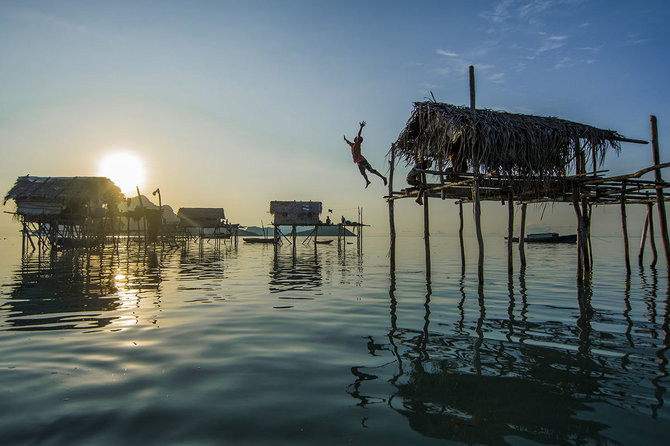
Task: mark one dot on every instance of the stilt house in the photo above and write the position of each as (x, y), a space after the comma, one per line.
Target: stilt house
(69, 209)
(295, 212)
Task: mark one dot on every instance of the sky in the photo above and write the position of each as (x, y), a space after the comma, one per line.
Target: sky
(234, 104)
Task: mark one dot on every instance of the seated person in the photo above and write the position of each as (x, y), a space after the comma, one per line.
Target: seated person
(415, 178)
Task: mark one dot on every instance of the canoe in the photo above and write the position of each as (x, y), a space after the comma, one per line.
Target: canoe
(258, 240)
(324, 242)
(548, 237)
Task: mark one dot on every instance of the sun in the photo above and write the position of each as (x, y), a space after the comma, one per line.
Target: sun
(125, 169)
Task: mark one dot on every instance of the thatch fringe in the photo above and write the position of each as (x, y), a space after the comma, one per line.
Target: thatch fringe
(514, 145)
(65, 190)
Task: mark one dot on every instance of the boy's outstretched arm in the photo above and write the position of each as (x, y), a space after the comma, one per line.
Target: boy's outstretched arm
(361, 129)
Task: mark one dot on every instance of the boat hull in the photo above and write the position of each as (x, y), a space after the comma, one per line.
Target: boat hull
(549, 238)
(258, 240)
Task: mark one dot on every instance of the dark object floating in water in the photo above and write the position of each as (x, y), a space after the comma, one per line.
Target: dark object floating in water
(547, 237)
(324, 242)
(258, 240)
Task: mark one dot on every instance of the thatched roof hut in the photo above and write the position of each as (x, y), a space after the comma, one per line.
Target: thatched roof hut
(63, 195)
(295, 212)
(509, 143)
(201, 217)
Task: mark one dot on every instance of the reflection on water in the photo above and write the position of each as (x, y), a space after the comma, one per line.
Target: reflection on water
(330, 346)
(83, 290)
(296, 273)
(465, 382)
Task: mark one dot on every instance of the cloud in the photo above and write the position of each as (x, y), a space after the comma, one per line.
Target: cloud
(500, 14)
(552, 43)
(447, 53)
(497, 78)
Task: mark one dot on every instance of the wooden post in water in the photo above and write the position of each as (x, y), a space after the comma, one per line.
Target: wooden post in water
(426, 230)
(652, 242)
(475, 189)
(460, 233)
(510, 231)
(391, 207)
(643, 240)
(580, 235)
(522, 236)
(663, 221)
(624, 226)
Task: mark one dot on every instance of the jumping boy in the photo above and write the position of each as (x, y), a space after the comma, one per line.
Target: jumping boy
(359, 159)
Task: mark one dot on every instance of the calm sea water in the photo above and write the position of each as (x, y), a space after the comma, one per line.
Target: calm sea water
(236, 346)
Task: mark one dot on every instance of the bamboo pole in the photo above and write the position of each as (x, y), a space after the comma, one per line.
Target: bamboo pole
(652, 242)
(643, 239)
(460, 233)
(510, 232)
(580, 237)
(624, 226)
(391, 203)
(586, 217)
(475, 190)
(426, 228)
(588, 235)
(522, 236)
(659, 192)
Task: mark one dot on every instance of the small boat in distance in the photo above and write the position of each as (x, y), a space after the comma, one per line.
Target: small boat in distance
(547, 237)
(258, 239)
(324, 242)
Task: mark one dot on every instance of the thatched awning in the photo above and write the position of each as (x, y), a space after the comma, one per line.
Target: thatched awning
(64, 191)
(509, 143)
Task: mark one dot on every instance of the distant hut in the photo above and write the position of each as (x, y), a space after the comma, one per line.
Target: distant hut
(206, 222)
(293, 213)
(201, 217)
(65, 210)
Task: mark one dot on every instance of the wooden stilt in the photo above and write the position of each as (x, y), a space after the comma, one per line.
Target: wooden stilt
(522, 236)
(391, 202)
(624, 226)
(475, 189)
(23, 244)
(460, 233)
(652, 242)
(663, 222)
(426, 234)
(586, 221)
(580, 238)
(510, 232)
(643, 240)
(588, 236)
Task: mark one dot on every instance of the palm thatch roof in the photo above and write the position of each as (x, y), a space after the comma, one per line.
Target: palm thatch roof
(509, 143)
(63, 192)
(201, 217)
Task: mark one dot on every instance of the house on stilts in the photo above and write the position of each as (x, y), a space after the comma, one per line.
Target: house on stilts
(206, 223)
(478, 154)
(64, 212)
(306, 213)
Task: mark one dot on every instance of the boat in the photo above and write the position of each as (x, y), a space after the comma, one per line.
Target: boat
(324, 242)
(547, 237)
(258, 240)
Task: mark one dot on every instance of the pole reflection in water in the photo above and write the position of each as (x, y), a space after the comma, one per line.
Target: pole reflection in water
(84, 289)
(584, 294)
(301, 272)
(517, 385)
